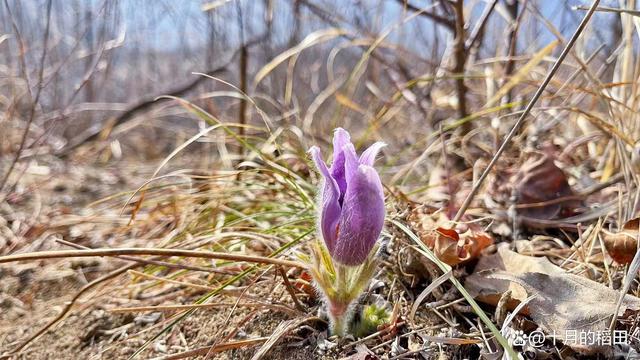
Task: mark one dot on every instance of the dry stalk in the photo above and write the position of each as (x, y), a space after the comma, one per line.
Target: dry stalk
(148, 251)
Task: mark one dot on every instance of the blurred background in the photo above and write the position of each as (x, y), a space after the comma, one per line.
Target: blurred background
(94, 94)
(86, 63)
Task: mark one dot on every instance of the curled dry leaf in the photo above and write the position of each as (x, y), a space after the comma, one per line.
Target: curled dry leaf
(450, 245)
(543, 191)
(622, 246)
(562, 301)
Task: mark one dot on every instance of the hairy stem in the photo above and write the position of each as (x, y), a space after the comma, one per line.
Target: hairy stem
(339, 316)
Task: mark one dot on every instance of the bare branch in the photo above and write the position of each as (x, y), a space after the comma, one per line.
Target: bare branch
(460, 58)
(446, 22)
(36, 98)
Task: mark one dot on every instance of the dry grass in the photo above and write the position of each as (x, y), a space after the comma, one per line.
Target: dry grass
(201, 253)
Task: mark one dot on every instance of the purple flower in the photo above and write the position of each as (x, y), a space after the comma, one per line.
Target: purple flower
(352, 201)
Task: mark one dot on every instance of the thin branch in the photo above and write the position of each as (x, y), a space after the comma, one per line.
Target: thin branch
(290, 289)
(36, 98)
(460, 58)
(631, 12)
(147, 102)
(144, 104)
(168, 265)
(482, 22)
(439, 19)
(147, 251)
(514, 26)
(527, 110)
(243, 64)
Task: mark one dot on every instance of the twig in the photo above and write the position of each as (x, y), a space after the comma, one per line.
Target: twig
(460, 58)
(439, 19)
(329, 18)
(36, 98)
(512, 7)
(156, 262)
(144, 104)
(631, 12)
(147, 251)
(477, 31)
(526, 111)
(290, 290)
(149, 101)
(244, 60)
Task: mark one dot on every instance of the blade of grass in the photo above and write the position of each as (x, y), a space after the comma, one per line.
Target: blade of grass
(311, 39)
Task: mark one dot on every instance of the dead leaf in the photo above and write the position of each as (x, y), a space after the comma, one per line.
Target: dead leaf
(562, 301)
(453, 246)
(489, 290)
(568, 302)
(540, 187)
(622, 245)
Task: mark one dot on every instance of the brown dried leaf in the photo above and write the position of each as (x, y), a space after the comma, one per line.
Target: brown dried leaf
(563, 301)
(540, 187)
(450, 245)
(567, 302)
(622, 245)
(489, 290)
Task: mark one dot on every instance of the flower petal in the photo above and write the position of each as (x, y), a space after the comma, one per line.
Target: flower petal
(362, 216)
(341, 138)
(329, 202)
(350, 162)
(368, 157)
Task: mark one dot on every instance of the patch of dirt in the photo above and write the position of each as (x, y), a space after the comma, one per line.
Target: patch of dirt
(94, 332)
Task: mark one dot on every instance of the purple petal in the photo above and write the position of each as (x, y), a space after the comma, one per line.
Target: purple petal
(350, 162)
(341, 138)
(362, 216)
(368, 157)
(330, 213)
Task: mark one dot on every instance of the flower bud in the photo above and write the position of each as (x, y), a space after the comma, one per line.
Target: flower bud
(351, 200)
